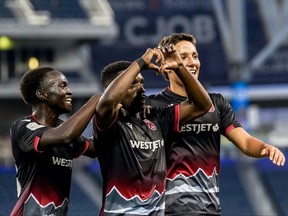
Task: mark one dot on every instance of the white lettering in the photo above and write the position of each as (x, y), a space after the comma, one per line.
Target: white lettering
(202, 26)
(197, 128)
(152, 145)
(62, 162)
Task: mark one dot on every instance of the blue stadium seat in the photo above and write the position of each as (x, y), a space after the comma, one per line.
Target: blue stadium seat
(234, 200)
(275, 180)
(7, 190)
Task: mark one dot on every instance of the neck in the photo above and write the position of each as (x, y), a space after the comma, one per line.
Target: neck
(179, 90)
(45, 118)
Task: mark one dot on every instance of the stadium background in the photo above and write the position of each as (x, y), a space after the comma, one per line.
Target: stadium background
(244, 55)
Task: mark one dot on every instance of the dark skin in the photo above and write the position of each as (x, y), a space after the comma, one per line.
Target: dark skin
(127, 90)
(56, 99)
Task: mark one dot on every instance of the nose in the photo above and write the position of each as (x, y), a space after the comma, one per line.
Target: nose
(190, 61)
(69, 91)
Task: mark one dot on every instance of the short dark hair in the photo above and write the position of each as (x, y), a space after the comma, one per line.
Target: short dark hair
(31, 81)
(112, 70)
(174, 39)
(177, 37)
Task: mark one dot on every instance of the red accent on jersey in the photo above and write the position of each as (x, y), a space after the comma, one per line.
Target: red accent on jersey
(36, 142)
(229, 128)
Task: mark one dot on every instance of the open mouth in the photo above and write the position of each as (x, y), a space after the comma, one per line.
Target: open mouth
(193, 72)
(68, 100)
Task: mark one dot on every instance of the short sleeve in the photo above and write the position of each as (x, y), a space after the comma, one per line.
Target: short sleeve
(26, 134)
(80, 146)
(228, 116)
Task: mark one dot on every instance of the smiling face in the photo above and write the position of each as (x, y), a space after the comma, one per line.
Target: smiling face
(189, 56)
(134, 100)
(56, 92)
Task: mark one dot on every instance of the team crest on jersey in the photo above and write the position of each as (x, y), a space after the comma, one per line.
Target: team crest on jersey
(212, 109)
(34, 126)
(150, 124)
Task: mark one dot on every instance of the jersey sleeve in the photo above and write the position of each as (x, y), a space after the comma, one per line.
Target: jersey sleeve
(26, 134)
(228, 116)
(169, 118)
(80, 146)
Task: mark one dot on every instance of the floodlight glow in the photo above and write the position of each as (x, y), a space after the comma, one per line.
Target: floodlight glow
(33, 62)
(6, 43)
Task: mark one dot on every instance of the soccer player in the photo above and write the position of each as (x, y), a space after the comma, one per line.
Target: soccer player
(130, 149)
(44, 146)
(193, 155)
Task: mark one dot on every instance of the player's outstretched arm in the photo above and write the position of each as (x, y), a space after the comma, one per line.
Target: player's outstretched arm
(254, 147)
(72, 127)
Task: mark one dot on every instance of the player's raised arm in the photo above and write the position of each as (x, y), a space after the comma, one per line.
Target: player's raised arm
(198, 101)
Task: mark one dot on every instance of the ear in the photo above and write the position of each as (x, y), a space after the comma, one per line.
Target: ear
(41, 94)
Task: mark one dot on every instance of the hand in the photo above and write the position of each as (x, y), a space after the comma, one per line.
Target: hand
(172, 58)
(146, 111)
(274, 154)
(153, 58)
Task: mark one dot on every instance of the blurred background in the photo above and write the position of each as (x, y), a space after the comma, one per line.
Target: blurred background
(243, 51)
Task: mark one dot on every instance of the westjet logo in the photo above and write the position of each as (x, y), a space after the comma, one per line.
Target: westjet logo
(153, 145)
(197, 128)
(62, 162)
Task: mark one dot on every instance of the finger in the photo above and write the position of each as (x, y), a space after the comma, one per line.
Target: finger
(144, 113)
(119, 106)
(159, 57)
(264, 152)
(149, 110)
(283, 161)
(154, 67)
(171, 48)
(275, 157)
(168, 48)
(280, 159)
(270, 152)
(163, 50)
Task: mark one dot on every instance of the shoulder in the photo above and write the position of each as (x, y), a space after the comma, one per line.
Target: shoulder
(21, 121)
(25, 124)
(218, 98)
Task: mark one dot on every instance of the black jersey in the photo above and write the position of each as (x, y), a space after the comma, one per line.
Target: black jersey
(193, 157)
(43, 178)
(132, 159)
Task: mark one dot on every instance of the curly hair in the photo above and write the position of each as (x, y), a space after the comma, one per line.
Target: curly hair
(112, 70)
(31, 81)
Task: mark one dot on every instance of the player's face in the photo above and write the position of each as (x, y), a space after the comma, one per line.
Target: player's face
(135, 98)
(58, 94)
(189, 56)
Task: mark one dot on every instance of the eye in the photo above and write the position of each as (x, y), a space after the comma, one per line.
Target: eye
(183, 57)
